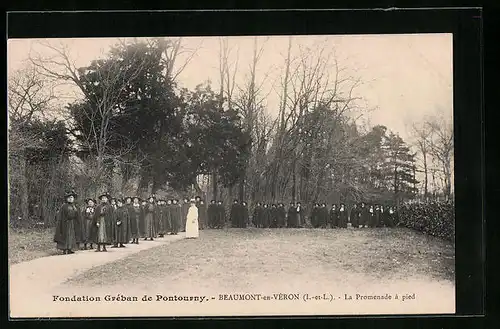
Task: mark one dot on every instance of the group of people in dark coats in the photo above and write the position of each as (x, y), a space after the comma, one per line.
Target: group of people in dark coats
(116, 222)
(275, 215)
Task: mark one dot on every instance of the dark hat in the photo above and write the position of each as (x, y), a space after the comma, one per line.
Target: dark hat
(120, 200)
(105, 194)
(89, 199)
(127, 197)
(70, 193)
(136, 197)
(152, 196)
(235, 200)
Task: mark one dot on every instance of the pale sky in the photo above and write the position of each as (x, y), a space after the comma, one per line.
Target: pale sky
(404, 77)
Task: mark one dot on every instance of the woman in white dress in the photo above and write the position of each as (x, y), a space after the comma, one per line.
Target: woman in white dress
(192, 221)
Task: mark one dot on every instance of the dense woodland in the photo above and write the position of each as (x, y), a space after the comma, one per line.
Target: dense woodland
(134, 131)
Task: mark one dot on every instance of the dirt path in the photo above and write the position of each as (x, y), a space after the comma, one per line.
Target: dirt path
(33, 281)
(274, 263)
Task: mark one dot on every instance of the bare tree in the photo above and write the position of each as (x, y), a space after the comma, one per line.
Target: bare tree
(29, 96)
(113, 77)
(313, 79)
(442, 146)
(422, 133)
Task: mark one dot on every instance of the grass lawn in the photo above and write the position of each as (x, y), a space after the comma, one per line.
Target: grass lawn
(246, 258)
(28, 244)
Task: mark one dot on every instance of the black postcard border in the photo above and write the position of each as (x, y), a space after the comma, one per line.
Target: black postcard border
(466, 26)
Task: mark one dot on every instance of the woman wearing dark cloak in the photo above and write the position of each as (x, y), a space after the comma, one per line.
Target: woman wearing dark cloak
(168, 217)
(122, 224)
(334, 216)
(274, 216)
(221, 215)
(292, 216)
(323, 216)
(281, 215)
(364, 218)
(354, 216)
(176, 213)
(212, 214)
(67, 219)
(202, 213)
(149, 219)
(135, 212)
(315, 216)
(103, 228)
(235, 214)
(371, 216)
(266, 216)
(343, 216)
(160, 219)
(142, 225)
(86, 220)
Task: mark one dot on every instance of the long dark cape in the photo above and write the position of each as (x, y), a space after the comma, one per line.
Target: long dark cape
(108, 218)
(62, 224)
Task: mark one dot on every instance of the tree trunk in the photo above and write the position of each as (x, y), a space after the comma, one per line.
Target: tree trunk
(214, 184)
(294, 177)
(24, 189)
(241, 192)
(143, 186)
(426, 190)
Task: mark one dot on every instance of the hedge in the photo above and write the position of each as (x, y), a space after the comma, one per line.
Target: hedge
(434, 218)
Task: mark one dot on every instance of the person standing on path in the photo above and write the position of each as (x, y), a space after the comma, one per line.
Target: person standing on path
(192, 226)
(244, 217)
(292, 216)
(168, 216)
(122, 223)
(257, 215)
(149, 219)
(354, 216)
(202, 213)
(334, 216)
(67, 219)
(87, 220)
(364, 215)
(184, 210)
(301, 219)
(176, 217)
(102, 228)
(281, 215)
(135, 211)
(343, 217)
(266, 216)
(142, 225)
(235, 214)
(212, 214)
(221, 215)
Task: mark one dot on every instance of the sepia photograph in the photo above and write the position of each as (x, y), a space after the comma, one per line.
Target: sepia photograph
(231, 176)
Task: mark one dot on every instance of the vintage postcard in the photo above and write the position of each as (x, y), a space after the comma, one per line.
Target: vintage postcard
(231, 176)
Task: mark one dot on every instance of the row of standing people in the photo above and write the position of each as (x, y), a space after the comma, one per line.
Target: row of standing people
(119, 222)
(277, 216)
